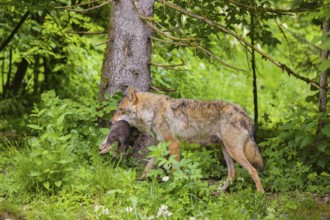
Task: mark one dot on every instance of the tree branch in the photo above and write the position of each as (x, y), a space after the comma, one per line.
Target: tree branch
(189, 41)
(89, 9)
(10, 37)
(200, 48)
(241, 39)
(72, 6)
(272, 10)
(171, 67)
(87, 32)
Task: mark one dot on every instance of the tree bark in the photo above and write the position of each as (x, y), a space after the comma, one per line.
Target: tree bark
(323, 77)
(128, 52)
(128, 55)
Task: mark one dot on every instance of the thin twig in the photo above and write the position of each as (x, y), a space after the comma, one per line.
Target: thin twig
(217, 58)
(202, 49)
(170, 67)
(239, 38)
(89, 9)
(72, 6)
(162, 89)
(170, 42)
(86, 32)
(104, 42)
(272, 10)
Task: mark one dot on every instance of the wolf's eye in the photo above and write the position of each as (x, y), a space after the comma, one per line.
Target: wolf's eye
(121, 110)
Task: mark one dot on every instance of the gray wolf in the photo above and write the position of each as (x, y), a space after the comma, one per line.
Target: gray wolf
(191, 121)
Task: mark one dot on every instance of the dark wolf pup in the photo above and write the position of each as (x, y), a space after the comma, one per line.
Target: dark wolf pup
(191, 121)
(121, 132)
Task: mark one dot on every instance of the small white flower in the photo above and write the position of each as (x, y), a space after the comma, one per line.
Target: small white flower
(101, 210)
(105, 211)
(166, 178)
(97, 207)
(192, 218)
(163, 211)
(129, 209)
(151, 217)
(168, 213)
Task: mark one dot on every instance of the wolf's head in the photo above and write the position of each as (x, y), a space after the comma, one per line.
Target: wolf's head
(127, 108)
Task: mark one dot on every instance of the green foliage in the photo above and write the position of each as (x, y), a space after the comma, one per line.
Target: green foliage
(297, 158)
(49, 162)
(85, 185)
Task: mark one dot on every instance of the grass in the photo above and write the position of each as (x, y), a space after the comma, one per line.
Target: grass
(103, 190)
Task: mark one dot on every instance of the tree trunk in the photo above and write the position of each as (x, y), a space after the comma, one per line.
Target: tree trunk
(127, 57)
(253, 64)
(19, 76)
(323, 77)
(128, 52)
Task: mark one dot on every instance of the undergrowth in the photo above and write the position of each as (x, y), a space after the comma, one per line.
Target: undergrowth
(55, 172)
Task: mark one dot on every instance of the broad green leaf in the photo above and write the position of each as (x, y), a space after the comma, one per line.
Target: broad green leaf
(322, 162)
(46, 171)
(46, 185)
(322, 147)
(35, 153)
(105, 131)
(324, 65)
(35, 173)
(307, 140)
(58, 183)
(325, 174)
(60, 119)
(326, 130)
(33, 126)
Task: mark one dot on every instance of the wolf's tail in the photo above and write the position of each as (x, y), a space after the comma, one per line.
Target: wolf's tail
(252, 153)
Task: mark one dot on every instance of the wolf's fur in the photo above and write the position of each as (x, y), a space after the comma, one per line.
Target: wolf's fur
(191, 121)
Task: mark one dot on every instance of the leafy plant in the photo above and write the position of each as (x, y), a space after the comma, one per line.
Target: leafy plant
(290, 155)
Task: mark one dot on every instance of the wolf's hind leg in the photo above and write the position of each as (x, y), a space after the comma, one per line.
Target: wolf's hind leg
(237, 154)
(231, 170)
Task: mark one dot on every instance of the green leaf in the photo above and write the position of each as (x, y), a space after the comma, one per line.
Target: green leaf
(46, 170)
(60, 119)
(324, 65)
(35, 153)
(35, 173)
(326, 130)
(46, 185)
(322, 147)
(33, 126)
(105, 131)
(325, 174)
(322, 162)
(58, 183)
(307, 140)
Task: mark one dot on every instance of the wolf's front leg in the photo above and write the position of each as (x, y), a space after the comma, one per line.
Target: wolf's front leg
(149, 166)
(174, 148)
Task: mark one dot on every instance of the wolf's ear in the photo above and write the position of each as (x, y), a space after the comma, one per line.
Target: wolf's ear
(132, 95)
